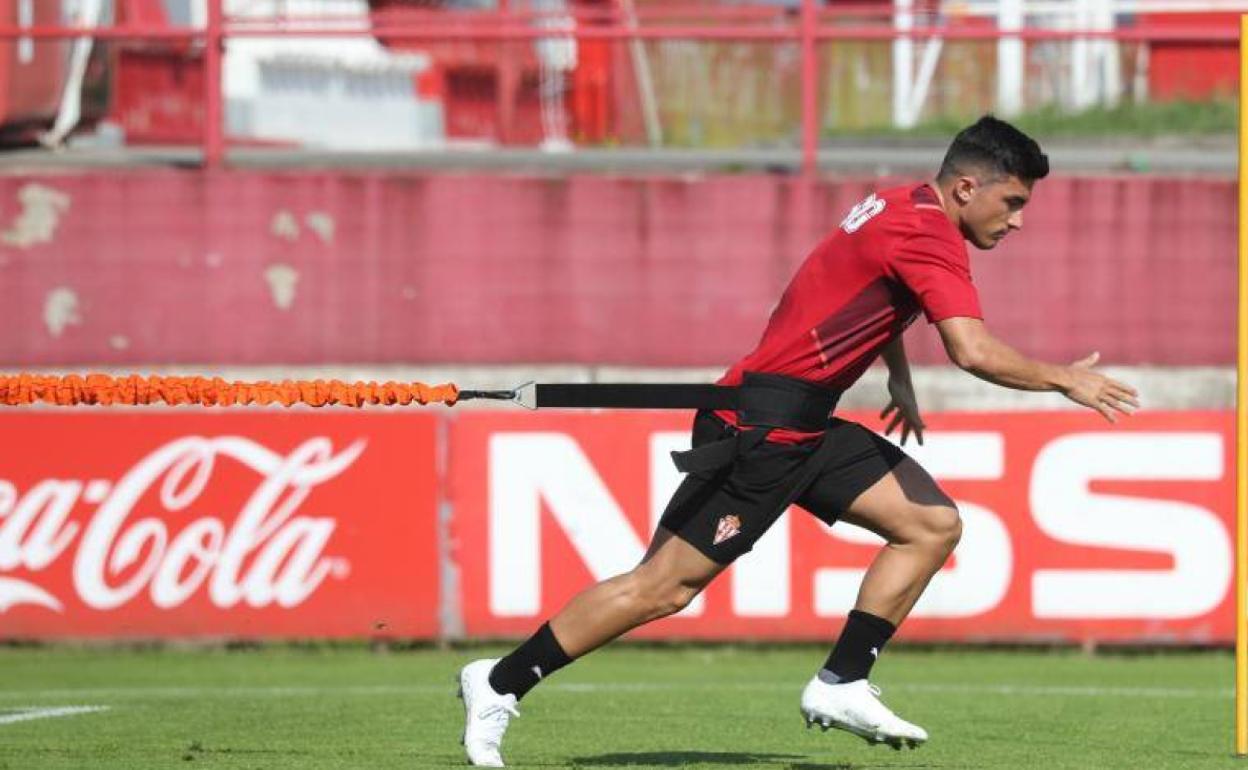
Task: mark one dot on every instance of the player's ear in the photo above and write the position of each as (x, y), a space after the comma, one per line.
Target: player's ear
(964, 189)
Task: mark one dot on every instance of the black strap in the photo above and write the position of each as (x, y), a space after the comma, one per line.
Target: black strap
(776, 401)
(708, 458)
(637, 396)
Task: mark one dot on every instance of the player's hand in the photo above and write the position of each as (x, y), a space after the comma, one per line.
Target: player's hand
(904, 409)
(1096, 391)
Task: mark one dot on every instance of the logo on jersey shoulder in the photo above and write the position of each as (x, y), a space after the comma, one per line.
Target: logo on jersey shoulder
(860, 214)
(728, 527)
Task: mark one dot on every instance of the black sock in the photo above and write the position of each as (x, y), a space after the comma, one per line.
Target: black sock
(855, 652)
(539, 657)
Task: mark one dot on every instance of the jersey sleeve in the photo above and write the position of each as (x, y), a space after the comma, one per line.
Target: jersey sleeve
(937, 271)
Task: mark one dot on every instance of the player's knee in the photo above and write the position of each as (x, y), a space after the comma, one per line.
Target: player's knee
(943, 527)
(677, 597)
(669, 598)
(656, 595)
(935, 528)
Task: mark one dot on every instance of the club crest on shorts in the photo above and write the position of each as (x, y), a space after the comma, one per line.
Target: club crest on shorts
(727, 527)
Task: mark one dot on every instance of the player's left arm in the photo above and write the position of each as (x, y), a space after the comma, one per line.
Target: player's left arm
(973, 349)
(902, 404)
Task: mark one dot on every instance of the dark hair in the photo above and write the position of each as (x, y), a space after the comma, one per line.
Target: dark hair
(995, 146)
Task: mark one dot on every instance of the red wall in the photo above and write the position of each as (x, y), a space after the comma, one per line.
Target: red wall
(167, 266)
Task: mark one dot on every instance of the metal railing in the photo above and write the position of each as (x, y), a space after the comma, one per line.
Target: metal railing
(807, 26)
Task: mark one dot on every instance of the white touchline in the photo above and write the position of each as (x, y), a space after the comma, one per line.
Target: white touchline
(27, 713)
(1005, 689)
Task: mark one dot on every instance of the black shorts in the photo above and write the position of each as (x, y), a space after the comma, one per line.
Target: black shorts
(724, 514)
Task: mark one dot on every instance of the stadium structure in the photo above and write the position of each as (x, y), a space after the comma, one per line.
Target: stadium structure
(493, 192)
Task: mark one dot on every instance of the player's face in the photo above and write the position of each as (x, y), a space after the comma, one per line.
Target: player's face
(993, 208)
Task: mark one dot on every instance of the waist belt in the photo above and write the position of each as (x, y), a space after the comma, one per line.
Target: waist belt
(776, 401)
(764, 402)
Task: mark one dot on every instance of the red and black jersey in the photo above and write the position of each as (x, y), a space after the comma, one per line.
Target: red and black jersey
(896, 253)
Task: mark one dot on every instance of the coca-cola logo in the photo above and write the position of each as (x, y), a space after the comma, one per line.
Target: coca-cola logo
(267, 555)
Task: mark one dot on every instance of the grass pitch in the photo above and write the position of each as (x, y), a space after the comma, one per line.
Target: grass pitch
(634, 707)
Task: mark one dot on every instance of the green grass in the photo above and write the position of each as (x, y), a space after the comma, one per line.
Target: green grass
(632, 707)
(1142, 121)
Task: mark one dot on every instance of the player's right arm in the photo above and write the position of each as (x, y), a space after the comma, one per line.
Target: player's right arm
(973, 349)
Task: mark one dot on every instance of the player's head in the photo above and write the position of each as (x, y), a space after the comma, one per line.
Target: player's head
(986, 179)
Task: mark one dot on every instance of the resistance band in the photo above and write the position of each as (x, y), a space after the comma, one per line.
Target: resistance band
(105, 390)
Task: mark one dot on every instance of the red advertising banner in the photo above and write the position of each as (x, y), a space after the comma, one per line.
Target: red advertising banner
(257, 523)
(1073, 529)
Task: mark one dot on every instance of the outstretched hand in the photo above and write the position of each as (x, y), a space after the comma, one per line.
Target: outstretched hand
(904, 409)
(1096, 391)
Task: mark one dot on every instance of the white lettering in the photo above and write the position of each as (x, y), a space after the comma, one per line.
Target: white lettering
(198, 544)
(269, 555)
(35, 530)
(860, 214)
(527, 469)
(1067, 510)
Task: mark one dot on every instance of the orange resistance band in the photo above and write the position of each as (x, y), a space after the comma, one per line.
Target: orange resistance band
(105, 390)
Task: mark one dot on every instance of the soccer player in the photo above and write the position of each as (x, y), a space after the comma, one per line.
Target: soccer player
(898, 253)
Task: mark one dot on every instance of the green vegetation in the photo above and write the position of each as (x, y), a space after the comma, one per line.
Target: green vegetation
(1141, 121)
(634, 707)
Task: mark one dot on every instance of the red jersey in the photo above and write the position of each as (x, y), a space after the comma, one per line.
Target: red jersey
(895, 254)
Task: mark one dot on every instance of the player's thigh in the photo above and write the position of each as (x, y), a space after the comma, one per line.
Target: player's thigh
(906, 505)
(872, 483)
(855, 460)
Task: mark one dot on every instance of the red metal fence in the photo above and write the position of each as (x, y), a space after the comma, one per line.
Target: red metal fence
(806, 30)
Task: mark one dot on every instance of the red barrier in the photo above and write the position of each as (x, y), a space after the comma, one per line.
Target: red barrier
(1072, 530)
(31, 76)
(267, 525)
(251, 268)
(1187, 70)
(248, 524)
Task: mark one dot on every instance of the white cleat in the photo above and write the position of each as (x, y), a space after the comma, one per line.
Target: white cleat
(486, 713)
(855, 707)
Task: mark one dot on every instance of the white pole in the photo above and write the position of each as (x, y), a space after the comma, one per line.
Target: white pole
(903, 64)
(71, 96)
(927, 68)
(1107, 54)
(1080, 64)
(645, 83)
(556, 57)
(25, 20)
(1009, 58)
(1139, 84)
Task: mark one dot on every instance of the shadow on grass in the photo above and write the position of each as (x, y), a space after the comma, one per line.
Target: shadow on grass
(717, 758)
(196, 748)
